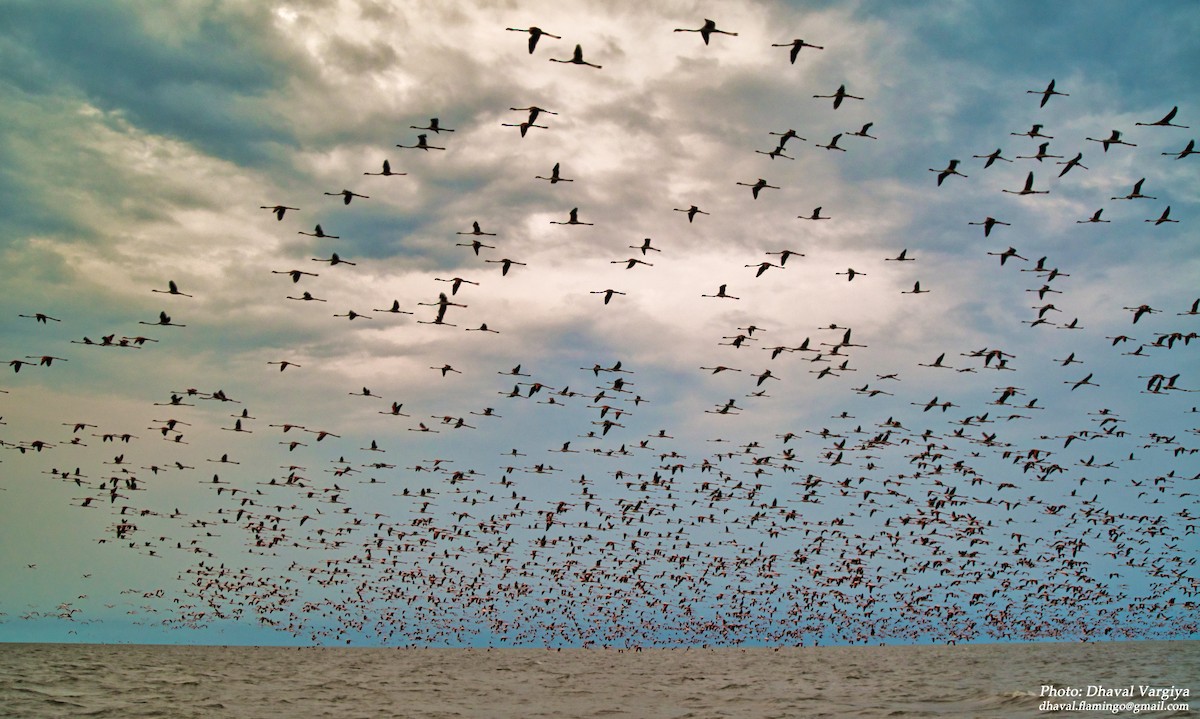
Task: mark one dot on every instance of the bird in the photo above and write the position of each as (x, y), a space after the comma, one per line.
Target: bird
(319, 232)
(535, 34)
(630, 263)
(786, 135)
(572, 219)
(387, 170)
(1080, 383)
(936, 363)
(576, 59)
(505, 264)
(524, 126)
(691, 212)
(433, 126)
(534, 111)
(1136, 193)
(902, 257)
(1046, 93)
(1189, 149)
(796, 45)
(784, 255)
(1113, 139)
(475, 230)
(554, 177)
(1163, 217)
(763, 267)
(1010, 252)
(608, 294)
(1073, 162)
(988, 223)
(475, 245)
(756, 186)
(833, 144)
(916, 290)
(851, 273)
(991, 158)
(1035, 131)
(455, 283)
(1094, 218)
(816, 215)
(295, 274)
(164, 320)
(1028, 188)
(1165, 121)
(1141, 311)
(839, 95)
(864, 132)
(394, 309)
(721, 293)
(279, 210)
(706, 30)
(172, 289)
(1042, 153)
(347, 195)
(306, 297)
(41, 318)
(951, 169)
(645, 247)
(422, 144)
(284, 364)
(334, 259)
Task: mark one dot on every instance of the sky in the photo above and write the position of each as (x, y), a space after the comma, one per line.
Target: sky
(898, 393)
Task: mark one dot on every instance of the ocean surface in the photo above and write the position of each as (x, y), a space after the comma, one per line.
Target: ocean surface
(997, 680)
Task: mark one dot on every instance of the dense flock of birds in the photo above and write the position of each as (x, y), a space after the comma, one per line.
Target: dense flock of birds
(951, 524)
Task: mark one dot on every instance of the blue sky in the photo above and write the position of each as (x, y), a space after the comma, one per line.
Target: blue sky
(838, 498)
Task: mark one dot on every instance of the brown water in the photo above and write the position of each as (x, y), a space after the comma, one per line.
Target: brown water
(999, 680)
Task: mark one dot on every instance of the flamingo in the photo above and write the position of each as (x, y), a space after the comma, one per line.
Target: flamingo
(554, 177)
(1165, 121)
(172, 289)
(422, 144)
(279, 210)
(1136, 193)
(833, 144)
(1046, 93)
(706, 30)
(475, 230)
(576, 59)
(1113, 139)
(839, 95)
(756, 186)
(608, 294)
(433, 126)
(319, 232)
(988, 223)
(347, 195)
(1163, 218)
(573, 219)
(721, 293)
(951, 169)
(991, 158)
(387, 170)
(796, 45)
(691, 212)
(1189, 149)
(535, 34)
(1028, 188)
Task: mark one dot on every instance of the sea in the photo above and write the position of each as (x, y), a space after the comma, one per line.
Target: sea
(963, 681)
